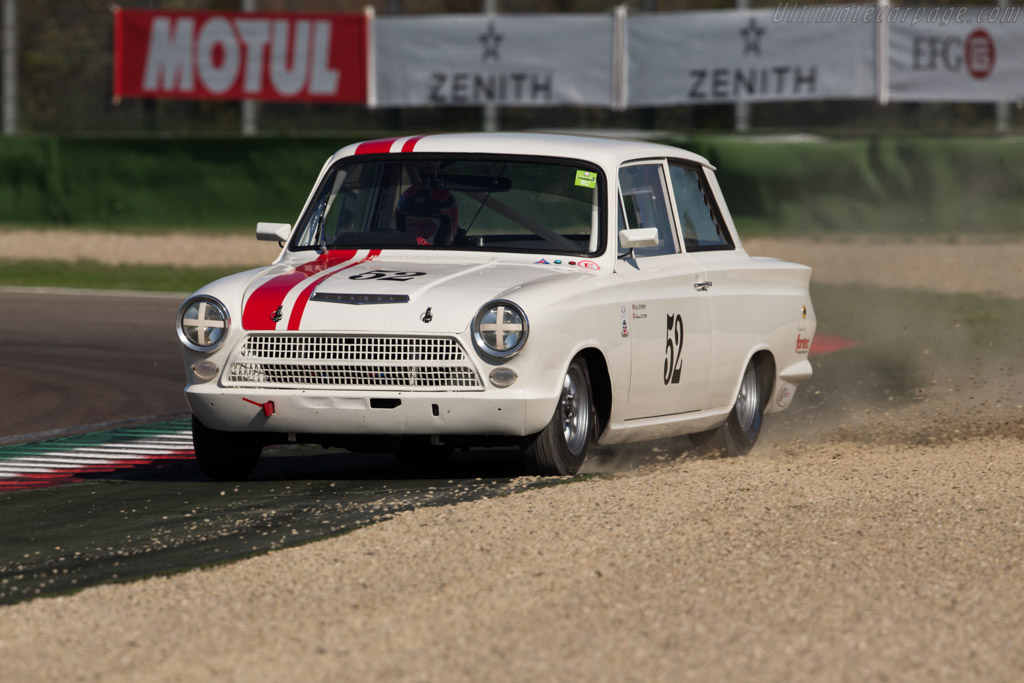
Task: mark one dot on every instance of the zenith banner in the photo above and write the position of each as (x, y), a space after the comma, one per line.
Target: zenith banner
(975, 58)
(726, 56)
(473, 60)
(235, 56)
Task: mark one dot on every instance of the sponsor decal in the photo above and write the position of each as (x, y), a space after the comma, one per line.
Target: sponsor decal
(586, 179)
(785, 395)
(479, 87)
(976, 54)
(803, 344)
(543, 262)
(772, 80)
(589, 265)
(236, 55)
(673, 368)
(625, 322)
(427, 316)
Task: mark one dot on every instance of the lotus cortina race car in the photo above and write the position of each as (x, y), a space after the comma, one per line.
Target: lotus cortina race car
(551, 292)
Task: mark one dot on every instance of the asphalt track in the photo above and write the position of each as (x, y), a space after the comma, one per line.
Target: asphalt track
(81, 371)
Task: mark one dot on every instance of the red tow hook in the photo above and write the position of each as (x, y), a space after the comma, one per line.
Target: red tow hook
(267, 408)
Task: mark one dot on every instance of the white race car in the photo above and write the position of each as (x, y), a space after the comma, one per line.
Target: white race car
(547, 291)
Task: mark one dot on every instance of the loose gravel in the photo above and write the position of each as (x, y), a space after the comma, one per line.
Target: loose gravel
(880, 545)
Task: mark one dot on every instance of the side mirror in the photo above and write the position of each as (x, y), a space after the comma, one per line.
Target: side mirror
(638, 237)
(273, 232)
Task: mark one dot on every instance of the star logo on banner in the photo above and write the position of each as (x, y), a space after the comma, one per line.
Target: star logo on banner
(752, 34)
(491, 41)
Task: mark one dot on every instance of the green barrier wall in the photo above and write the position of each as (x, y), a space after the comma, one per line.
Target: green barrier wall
(158, 183)
(900, 185)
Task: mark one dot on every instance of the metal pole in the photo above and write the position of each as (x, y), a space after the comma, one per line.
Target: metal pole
(1003, 108)
(882, 51)
(491, 115)
(250, 108)
(10, 67)
(741, 110)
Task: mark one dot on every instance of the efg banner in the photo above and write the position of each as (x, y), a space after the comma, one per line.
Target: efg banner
(956, 54)
(474, 60)
(789, 53)
(234, 56)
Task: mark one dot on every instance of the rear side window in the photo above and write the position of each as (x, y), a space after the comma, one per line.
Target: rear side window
(702, 229)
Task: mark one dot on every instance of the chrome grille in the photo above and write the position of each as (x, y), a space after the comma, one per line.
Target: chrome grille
(352, 361)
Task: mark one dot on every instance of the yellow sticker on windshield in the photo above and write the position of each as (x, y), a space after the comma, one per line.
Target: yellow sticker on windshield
(586, 179)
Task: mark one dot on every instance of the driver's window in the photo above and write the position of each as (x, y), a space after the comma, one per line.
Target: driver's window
(644, 205)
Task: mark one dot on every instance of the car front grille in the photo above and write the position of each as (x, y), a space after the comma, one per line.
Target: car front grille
(321, 361)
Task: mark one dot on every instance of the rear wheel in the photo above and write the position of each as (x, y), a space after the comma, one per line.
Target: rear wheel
(561, 447)
(225, 456)
(738, 434)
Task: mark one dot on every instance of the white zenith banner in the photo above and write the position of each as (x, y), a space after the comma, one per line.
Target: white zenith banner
(967, 54)
(751, 56)
(472, 60)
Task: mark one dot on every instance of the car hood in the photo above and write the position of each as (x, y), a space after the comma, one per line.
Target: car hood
(384, 294)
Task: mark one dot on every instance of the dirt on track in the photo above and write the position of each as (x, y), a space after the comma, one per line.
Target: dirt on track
(878, 543)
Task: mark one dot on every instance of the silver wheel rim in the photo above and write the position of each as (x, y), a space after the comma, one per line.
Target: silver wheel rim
(574, 408)
(748, 401)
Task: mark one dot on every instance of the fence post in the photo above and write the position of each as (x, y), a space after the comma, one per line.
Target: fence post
(491, 115)
(10, 67)
(250, 108)
(1003, 108)
(741, 110)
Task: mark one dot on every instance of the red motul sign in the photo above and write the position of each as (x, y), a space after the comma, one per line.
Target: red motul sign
(234, 56)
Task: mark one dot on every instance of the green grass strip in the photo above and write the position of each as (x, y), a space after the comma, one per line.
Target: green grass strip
(93, 275)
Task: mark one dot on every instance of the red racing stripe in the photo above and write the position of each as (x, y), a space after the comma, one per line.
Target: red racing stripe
(375, 146)
(410, 144)
(300, 304)
(259, 309)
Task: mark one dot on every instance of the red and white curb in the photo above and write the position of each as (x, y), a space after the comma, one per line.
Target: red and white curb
(50, 463)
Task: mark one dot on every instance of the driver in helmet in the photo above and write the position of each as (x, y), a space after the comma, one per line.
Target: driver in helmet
(428, 214)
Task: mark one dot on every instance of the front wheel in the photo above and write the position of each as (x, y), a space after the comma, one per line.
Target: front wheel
(738, 434)
(225, 456)
(561, 447)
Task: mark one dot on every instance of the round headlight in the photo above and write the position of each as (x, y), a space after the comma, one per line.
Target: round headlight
(203, 323)
(500, 329)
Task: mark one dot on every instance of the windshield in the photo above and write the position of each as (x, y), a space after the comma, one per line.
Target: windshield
(457, 203)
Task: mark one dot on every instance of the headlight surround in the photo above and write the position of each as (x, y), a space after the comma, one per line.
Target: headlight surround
(500, 329)
(203, 323)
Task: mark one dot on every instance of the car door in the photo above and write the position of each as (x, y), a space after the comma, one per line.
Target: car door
(666, 317)
(734, 309)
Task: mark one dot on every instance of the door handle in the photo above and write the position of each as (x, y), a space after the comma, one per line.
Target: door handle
(702, 286)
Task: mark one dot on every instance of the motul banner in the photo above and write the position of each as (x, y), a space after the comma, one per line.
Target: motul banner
(973, 56)
(233, 56)
(750, 56)
(473, 60)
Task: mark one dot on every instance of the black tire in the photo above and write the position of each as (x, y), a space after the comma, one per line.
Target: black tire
(225, 456)
(738, 434)
(562, 446)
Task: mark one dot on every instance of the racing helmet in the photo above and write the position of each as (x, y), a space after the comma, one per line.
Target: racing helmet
(431, 215)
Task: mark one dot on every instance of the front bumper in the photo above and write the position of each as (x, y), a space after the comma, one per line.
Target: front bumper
(505, 412)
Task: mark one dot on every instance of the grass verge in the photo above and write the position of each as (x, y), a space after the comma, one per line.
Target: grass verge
(93, 275)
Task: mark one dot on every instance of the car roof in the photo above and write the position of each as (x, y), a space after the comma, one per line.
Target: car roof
(608, 152)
